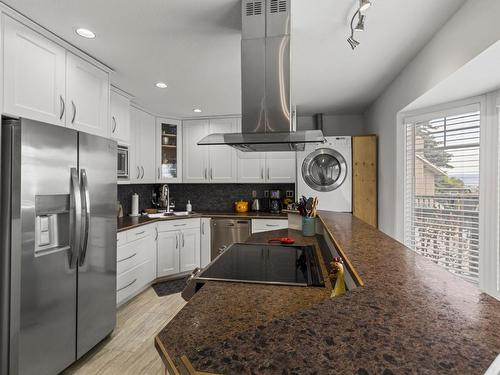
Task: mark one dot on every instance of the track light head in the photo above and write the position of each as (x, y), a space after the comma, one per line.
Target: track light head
(352, 42)
(364, 5)
(361, 23)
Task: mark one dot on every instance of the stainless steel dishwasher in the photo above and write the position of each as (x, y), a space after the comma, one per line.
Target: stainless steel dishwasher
(226, 232)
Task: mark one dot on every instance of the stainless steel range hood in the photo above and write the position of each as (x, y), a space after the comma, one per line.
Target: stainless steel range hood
(267, 119)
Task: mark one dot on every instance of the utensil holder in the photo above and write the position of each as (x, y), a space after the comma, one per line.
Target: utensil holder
(308, 226)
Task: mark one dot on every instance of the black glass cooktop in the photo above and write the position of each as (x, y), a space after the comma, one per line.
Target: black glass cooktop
(269, 264)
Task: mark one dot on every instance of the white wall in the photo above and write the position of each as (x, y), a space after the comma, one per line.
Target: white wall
(470, 31)
(334, 124)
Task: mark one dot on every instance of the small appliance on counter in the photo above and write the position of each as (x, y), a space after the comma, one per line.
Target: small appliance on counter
(241, 206)
(255, 202)
(135, 205)
(275, 204)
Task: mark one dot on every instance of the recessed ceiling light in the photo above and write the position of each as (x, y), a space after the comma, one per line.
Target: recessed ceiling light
(197, 110)
(86, 33)
(161, 85)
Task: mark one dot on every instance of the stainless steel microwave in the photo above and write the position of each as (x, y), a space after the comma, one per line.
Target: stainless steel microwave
(122, 162)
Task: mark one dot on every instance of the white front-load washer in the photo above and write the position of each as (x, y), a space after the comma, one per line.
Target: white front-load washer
(325, 171)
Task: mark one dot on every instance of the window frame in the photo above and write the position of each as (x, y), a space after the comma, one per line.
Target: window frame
(489, 177)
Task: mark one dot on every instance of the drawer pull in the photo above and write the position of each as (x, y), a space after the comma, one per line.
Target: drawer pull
(139, 233)
(179, 225)
(272, 225)
(128, 285)
(127, 258)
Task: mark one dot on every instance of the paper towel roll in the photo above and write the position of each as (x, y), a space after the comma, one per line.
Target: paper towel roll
(135, 204)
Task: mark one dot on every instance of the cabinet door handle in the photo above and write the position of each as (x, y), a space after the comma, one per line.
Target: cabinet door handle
(74, 112)
(138, 172)
(126, 286)
(176, 241)
(268, 174)
(205, 173)
(63, 107)
(202, 227)
(262, 173)
(142, 176)
(114, 124)
(159, 173)
(183, 242)
(127, 258)
(211, 174)
(156, 230)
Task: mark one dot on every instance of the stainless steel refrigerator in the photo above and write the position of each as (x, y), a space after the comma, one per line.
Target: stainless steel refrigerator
(58, 245)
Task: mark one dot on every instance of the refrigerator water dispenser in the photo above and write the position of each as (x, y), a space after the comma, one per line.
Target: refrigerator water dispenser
(51, 224)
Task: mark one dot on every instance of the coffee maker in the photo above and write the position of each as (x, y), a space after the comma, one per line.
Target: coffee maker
(275, 204)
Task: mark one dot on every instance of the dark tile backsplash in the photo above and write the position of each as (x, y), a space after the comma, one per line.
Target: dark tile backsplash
(204, 197)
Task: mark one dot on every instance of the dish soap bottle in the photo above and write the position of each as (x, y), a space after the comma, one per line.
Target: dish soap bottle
(189, 208)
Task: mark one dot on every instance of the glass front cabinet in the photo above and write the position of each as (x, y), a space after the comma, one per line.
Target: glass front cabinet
(169, 150)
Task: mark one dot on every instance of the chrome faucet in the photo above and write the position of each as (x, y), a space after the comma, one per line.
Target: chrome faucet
(165, 198)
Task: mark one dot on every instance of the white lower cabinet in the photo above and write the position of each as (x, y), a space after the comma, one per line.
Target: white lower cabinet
(266, 225)
(206, 242)
(132, 282)
(136, 261)
(168, 253)
(178, 246)
(189, 257)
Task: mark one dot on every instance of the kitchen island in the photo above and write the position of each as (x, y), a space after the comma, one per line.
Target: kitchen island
(411, 316)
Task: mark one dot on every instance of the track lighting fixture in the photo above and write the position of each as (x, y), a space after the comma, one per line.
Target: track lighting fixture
(360, 26)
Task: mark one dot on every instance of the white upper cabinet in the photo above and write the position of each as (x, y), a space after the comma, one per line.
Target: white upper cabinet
(168, 150)
(222, 159)
(251, 167)
(120, 118)
(142, 147)
(208, 164)
(148, 157)
(88, 96)
(34, 75)
(280, 167)
(195, 158)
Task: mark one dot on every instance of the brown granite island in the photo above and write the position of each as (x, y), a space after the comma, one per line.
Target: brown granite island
(410, 317)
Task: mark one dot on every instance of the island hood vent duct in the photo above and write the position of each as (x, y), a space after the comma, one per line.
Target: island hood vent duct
(268, 123)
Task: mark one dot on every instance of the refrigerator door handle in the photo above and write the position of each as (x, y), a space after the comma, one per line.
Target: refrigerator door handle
(76, 218)
(85, 215)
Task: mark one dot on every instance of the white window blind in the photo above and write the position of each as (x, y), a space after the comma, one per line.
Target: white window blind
(442, 190)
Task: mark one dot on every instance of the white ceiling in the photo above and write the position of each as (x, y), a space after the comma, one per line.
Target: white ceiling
(194, 46)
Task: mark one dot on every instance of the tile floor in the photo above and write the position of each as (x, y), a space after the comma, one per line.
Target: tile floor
(130, 348)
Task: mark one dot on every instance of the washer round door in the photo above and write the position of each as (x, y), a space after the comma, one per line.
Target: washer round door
(324, 169)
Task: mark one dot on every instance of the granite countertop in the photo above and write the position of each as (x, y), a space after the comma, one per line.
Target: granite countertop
(128, 222)
(410, 317)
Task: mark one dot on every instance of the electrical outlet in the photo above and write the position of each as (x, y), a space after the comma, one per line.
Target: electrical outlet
(289, 194)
